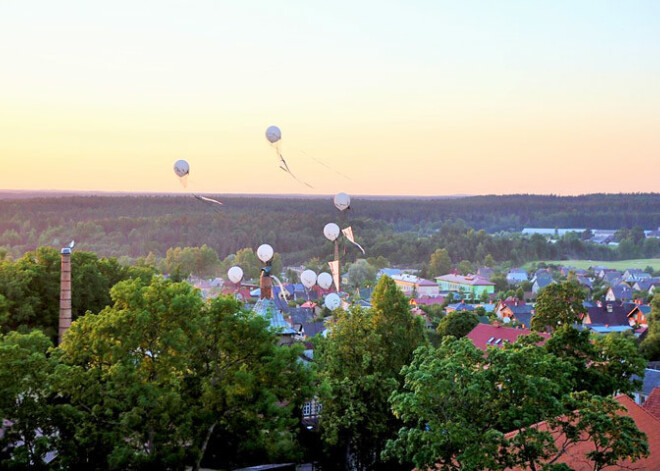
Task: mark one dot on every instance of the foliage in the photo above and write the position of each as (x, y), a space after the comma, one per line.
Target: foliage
(360, 273)
(559, 304)
(358, 366)
(200, 261)
(30, 287)
(602, 365)
(29, 419)
(159, 380)
(440, 263)
(405, 231)
(457, 324)
(650, 346)
(512, 388)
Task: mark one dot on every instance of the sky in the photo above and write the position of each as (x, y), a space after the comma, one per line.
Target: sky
(373, 98)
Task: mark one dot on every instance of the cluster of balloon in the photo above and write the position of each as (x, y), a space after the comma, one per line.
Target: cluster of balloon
(342, 201)
(308, 278)
(332, 301)
(331, 231)
(265, 253)
(274, 136)
(235, 274)
(182, 170)
(324, 280)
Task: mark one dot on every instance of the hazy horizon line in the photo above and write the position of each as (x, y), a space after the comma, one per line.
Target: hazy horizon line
(8, 193)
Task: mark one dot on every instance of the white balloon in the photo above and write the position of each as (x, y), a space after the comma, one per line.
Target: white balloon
(332, 301)
(324, 280)
(308, 278)
(273, 134)
(342, 201)
(181, 168)
(235, 274)
(265, 252)
(331, 231)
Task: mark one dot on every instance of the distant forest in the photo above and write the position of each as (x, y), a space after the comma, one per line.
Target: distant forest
(405, 231)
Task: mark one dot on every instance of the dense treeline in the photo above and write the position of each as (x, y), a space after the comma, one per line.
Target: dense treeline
(404, 231)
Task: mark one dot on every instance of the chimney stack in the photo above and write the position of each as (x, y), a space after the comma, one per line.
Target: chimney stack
(65, 293)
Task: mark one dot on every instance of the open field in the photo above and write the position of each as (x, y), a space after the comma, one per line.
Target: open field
(619, 265)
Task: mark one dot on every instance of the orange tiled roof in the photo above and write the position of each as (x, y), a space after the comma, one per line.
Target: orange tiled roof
(575, 455)
(652, 404)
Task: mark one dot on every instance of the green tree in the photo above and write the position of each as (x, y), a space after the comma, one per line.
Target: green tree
(602, 365)
(30, 419)
(358, 367)
(650, 346)
(465, 267)
(559, 304)
(457, 324)
(513, 388)
(159, 375)
(440, 263)
(360, 273)
(500, 282)
(489, 261)
(248, 261)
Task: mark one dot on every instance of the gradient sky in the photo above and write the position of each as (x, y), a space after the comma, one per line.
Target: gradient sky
(404, 98)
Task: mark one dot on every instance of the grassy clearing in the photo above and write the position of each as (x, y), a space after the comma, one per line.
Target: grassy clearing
(619, 265)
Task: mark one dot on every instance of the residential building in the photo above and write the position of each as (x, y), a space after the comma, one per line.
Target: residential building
(465, 285)
(575, 450)
(516, 276)
(415, 286)
(484, 335)
(620, 292)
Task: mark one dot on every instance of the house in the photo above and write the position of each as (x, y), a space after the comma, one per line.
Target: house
(612, 278)
(607, 315)
(516, 276)
(461, 306)
(653, 287)
(584, 281)
(576, 450)
(389, 272)
(268, 309)
(652, 403)
(427, 300)
(649, 383)
(519, 312)
(639, 315)
(635, 274)
(645, 284)
(620, 292)
(466, 285)
(541, 282)
(412, 285)
(604, 272)
(485, 335)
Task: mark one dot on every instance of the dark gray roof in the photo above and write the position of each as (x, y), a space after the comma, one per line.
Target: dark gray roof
(313, 328)
(615, 315)
(524, 318)
(622, 291)
(301, 314)
(651, 380)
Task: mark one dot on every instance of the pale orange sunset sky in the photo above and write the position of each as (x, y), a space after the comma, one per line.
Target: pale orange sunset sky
(404, 98)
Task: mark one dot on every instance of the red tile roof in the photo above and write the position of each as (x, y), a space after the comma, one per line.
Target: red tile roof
(575, 455)
(652, 404)
(482, 333)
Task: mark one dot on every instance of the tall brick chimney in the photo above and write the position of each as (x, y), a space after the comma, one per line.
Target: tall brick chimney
(65, 293)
